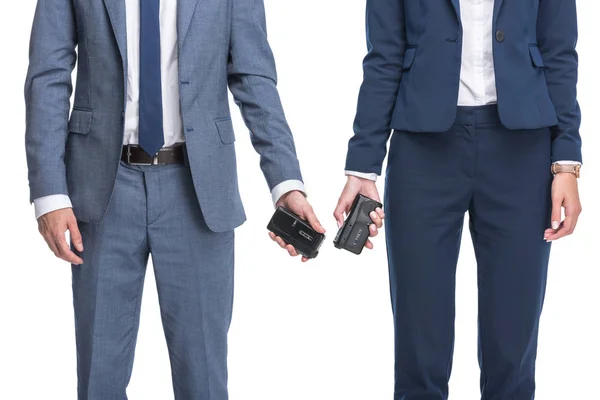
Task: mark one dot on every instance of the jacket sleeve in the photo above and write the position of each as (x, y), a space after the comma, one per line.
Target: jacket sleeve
(386, 43)
(557, 38)
(253, 83)
(48, 89)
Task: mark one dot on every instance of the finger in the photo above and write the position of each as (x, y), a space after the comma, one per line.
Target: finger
(372, 193)
(380, 212)
(76, 238)
(280, 242)
(339, 211)
(376, 219)
(312, 219)
(548, 233)
(273, 236)
(373, 230)
(554, 234)
(65, 252)
(569, 224)
(369, 245)
(304, 259)
(573, 211)
(51, 245)
(565, 229)
(292, 250)
(556, 212)
(575, 221)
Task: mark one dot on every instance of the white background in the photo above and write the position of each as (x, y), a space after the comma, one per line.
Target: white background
(318, 331)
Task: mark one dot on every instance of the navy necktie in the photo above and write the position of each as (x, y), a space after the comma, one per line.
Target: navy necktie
(151, 111)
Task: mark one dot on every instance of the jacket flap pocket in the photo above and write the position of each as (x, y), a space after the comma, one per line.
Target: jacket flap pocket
(80, 121)
(536, 56)
(225, 128)
(409, 57)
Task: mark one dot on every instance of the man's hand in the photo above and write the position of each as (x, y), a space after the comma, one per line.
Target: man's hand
(297, 203)
(53, 226)
(565, 194)
(366, 187)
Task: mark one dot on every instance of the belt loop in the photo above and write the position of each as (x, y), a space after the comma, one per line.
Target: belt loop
(128, 154)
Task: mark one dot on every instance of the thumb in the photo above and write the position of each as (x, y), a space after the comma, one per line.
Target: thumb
(312, 219)
(341, 207)
(75, 234)
(556, 212)
(373, 193)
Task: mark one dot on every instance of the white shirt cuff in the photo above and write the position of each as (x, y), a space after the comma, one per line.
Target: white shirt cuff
(363, 175)
(286, 187)
(47, 204)
(567, 162)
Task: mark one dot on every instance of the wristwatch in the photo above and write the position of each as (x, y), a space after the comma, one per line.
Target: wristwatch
(574, 169)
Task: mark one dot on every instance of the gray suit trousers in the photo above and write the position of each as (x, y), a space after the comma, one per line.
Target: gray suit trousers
(154, 210)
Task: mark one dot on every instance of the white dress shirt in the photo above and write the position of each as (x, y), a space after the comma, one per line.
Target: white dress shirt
(477, 75)
(169, 68)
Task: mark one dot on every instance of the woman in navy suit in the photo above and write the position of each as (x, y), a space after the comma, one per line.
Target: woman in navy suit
(481, 99)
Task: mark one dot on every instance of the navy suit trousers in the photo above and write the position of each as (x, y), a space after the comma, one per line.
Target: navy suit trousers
(502, 179)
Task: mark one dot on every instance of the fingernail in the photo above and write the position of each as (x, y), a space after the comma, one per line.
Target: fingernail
(555, 224)
(373, 214)
(339, 224)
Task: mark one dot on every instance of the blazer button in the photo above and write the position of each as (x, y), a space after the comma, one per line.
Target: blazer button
(500, 36)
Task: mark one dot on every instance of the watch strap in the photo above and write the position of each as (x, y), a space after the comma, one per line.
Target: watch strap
(574, 169)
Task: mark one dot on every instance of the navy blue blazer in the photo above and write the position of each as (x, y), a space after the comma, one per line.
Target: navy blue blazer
(412, 73)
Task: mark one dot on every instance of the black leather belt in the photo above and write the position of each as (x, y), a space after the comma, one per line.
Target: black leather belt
(135, 155)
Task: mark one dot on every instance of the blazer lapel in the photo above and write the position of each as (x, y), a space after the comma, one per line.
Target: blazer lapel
(497, 6)
(116, 13)
(185, 11)
(456, 5)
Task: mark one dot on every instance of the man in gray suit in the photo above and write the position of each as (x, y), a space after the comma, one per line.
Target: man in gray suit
(145, 164)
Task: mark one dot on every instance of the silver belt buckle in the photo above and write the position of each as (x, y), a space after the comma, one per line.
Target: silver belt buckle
(153, 162)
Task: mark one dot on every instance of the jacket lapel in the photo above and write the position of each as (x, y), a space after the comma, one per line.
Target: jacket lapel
(185, 12)
(456, 5)
(116, 13)
(497, 5)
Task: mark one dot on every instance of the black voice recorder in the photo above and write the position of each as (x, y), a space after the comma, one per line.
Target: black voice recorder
(293, 230)
(353, 235)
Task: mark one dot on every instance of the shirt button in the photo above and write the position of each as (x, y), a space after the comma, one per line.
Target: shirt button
(500, 36)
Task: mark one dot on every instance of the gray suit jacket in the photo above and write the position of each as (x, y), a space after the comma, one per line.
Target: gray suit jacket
(222, 43)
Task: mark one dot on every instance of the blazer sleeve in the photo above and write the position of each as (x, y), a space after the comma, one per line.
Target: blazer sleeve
(252, 80)
(557, 38)
(386, 43)
(48, 89)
